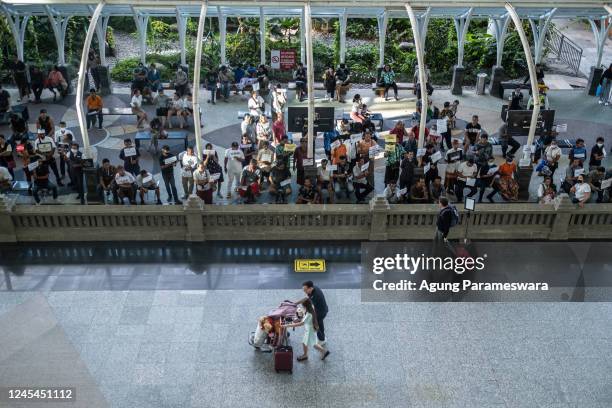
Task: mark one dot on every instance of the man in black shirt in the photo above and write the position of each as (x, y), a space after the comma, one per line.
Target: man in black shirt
(106, 178)
(41, 181)
(19, 75)
(315, 294)
(279, 174)
(307, 194)
(75, 162)
(167, 161)
(444, 221)
(598, 153)
(130, 160)
(472, 131)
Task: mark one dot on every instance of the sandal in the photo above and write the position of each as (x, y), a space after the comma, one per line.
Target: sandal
(302, 358)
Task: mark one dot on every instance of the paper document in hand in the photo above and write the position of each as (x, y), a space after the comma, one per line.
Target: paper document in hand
(147, 179)
(402, 191)
(32, 166)
(470, 182)
(365, 166)
(285, 182)
(441, 125)
(215, 176)
(436, 156)
(129, 151)
(170, 160)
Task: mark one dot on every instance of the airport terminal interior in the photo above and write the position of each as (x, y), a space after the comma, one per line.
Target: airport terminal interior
(362, 234)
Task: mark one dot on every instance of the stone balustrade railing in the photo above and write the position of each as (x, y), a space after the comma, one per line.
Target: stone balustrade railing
(376, 221)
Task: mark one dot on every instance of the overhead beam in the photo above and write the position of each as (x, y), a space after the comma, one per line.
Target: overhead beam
(196, 80)
(83, 77)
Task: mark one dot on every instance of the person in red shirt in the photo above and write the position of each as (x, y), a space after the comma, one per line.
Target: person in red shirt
(399, 131)
(415, 130)
(278, 129)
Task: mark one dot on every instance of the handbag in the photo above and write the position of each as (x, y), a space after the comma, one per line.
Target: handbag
(598, 91)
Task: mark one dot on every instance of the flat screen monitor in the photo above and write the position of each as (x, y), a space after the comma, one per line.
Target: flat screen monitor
(298, 119)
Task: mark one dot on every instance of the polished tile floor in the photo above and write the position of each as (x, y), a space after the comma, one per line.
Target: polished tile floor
(187, 346)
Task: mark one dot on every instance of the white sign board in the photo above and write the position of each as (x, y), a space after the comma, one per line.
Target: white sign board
(275, 59)
(170, 160)
(441, 125)
(129, 151)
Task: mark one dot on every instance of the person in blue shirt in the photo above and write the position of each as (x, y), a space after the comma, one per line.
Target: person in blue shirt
(238, 73)
(251, 70)
(328, 139)
(578, 152)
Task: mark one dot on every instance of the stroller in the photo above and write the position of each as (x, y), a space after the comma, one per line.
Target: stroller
(267, 335)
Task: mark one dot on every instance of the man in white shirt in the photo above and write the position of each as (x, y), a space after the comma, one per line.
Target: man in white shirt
(136, 105)
(63, 139)
(234, 156)
(581, 191)
(189, 162)
(466, 171)
(203, 183)
(279, 100)
(5, 180)
(145, 182)
(360, 180)
(324, 181)
(45, 147)
(552, 155)
(125, 186)
(256, 105)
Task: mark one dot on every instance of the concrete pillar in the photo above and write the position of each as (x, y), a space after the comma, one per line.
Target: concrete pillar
(262, 36)
(497, 76)
(343, 19)
(196, 80)
(563, 215)
(83, 76)
(539, 33)
(383, 21)
(181, 25)
(59, 24)
(222, 36)
(17, 24)
(526, 161)
(457, 84)
(379, 208)
(193, 212)
(7, 228)
(142, 22)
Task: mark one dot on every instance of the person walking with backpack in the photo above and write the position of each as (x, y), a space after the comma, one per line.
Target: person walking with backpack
(448, 217)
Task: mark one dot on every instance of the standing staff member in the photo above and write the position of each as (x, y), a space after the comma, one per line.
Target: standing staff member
(315, 294)
(447, 218)
(75, 160)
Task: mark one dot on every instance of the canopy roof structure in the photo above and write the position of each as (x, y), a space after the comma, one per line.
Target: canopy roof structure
(320, 9)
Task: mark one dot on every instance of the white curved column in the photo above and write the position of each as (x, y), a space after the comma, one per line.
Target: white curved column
(59, 24)
(196, 81)
(83, 77)
(532, 76)
(310, 77)
(419, 46)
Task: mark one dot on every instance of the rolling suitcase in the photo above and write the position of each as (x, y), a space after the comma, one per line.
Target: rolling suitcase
(283, 355)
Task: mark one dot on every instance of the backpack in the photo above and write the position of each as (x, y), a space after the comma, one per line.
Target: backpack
(454, 215)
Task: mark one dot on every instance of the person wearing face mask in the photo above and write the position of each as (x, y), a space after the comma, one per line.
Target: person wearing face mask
(552, 155)
(45, 147)
(598, 153)
(581, 191)
(75, 160)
